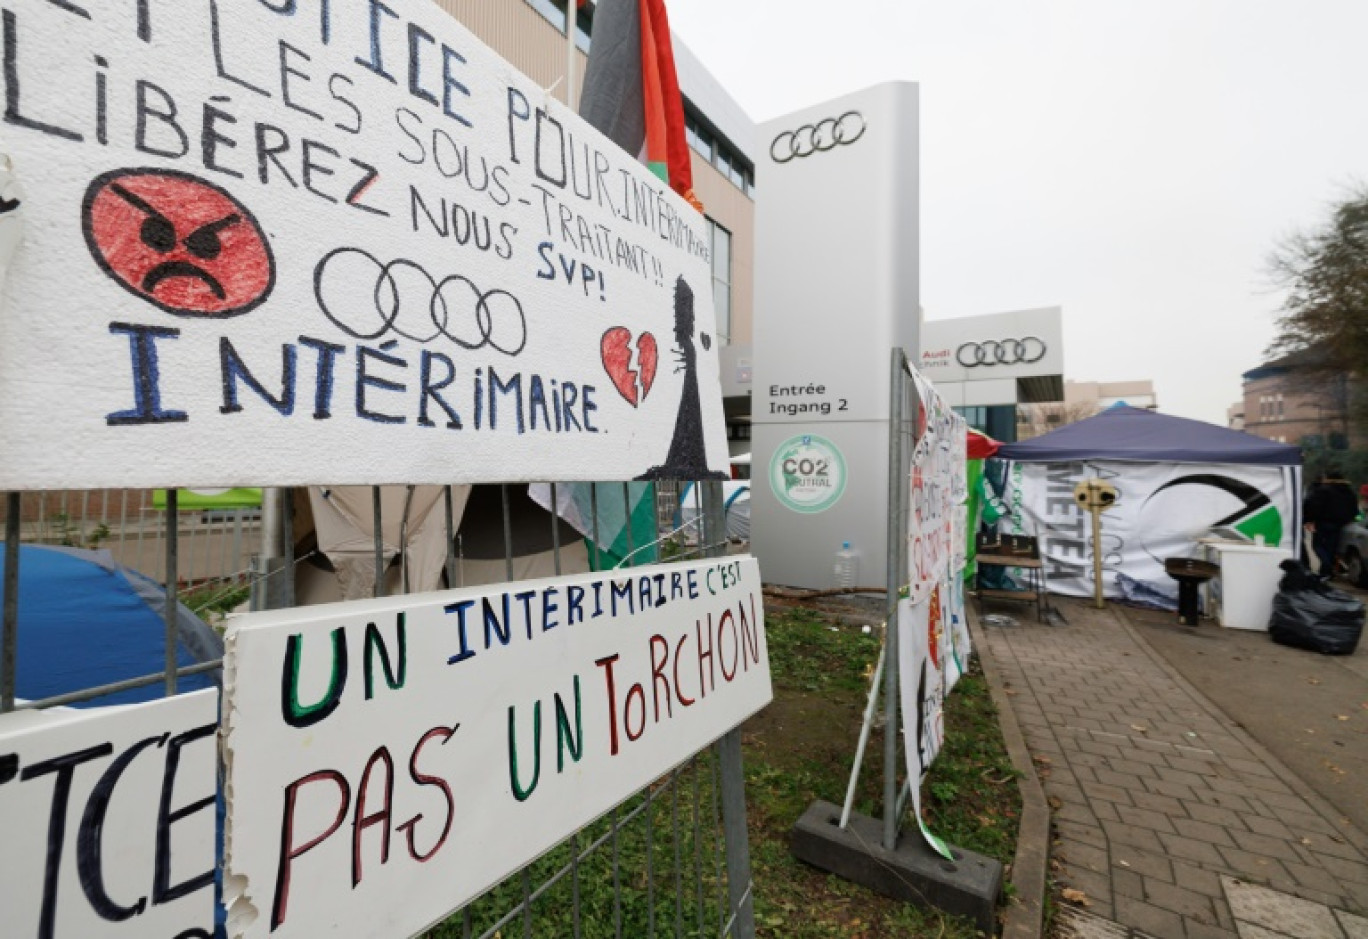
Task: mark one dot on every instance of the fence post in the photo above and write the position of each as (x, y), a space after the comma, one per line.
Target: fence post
(9, 644)
(895, 579)
(172, 585)
(734, 830)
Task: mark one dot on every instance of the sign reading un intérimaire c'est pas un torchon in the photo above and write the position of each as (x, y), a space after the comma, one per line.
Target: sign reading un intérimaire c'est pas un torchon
(389, 760)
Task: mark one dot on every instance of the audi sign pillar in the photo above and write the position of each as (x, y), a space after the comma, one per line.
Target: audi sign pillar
(836, 291)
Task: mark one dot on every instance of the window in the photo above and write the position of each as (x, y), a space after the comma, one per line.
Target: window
(730, 163)
(721, 280)
(699, 139)
(975, 417)
(553, 11)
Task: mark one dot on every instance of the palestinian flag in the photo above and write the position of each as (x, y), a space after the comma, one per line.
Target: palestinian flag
(631, 91)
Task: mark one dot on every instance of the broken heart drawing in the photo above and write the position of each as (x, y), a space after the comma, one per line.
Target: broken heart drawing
(618, 351)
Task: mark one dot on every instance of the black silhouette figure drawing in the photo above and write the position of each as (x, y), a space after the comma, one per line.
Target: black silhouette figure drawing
(688, 456)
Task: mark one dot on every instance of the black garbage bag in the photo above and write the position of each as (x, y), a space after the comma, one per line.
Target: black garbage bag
(1309, 614)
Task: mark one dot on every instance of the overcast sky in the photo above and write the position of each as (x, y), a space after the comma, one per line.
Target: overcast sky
(1132, 162)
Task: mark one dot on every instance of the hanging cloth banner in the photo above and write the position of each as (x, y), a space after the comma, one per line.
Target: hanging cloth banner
(933, 636)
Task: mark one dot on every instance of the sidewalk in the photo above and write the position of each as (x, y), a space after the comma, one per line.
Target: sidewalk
(1168, 818)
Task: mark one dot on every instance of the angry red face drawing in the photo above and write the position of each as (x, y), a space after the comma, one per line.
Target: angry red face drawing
(177, 241)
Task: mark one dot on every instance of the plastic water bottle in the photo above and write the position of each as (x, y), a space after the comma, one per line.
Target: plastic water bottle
(847, 566)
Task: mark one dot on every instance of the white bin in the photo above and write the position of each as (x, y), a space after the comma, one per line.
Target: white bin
(1242, 596)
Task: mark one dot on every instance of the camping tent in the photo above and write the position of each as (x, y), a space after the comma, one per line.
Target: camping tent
(1178, 481)
(85, 620)
(736, 506)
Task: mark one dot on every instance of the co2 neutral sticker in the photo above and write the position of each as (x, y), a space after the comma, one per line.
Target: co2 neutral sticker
(808, 473)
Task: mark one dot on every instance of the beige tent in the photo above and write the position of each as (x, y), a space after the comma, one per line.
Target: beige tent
(335, 546)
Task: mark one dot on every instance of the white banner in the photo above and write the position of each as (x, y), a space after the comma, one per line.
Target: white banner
(108, 820)
(1162, 510)
(388, 760)
(933, 638)
(937, 487)
(273, 243)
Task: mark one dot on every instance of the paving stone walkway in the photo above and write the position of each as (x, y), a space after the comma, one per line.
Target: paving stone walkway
(1165, 813)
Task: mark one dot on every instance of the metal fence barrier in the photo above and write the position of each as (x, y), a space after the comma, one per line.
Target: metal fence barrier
(673, 859)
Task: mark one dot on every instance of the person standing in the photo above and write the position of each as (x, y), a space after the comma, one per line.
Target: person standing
(1329, 507)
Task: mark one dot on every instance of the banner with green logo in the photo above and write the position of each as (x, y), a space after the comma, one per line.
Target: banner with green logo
(1163, 511)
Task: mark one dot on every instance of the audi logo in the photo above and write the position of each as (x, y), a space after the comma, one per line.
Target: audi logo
(824, 135)
(369, 299)
(1001, 352)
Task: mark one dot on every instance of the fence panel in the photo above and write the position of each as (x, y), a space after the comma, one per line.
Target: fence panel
(670, 860)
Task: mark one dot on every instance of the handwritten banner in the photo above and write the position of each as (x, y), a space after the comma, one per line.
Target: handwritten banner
(346, 232)
(937, 486)
(108, 820)
(388, 760)
(933, 634)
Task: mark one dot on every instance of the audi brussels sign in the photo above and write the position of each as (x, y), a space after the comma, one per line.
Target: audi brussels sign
(1024, 344)
(824, 135)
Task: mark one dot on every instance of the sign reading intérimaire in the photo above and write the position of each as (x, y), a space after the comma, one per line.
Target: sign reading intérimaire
(345, 232)
(389, 760)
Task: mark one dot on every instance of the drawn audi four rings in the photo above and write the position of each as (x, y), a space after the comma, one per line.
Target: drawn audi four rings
(1001, 352)
(824, 135)
(456, 308)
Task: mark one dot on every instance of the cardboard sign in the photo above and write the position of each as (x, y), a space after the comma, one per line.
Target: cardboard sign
(108, 820)
(281, 242)
(389, 760)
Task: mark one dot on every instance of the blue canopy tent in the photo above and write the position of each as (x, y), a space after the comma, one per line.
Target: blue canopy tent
(1179, 481)
(85, 620)
(1126, 433)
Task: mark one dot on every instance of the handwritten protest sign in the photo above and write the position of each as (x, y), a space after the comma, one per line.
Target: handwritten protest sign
(108, 820)
(937, 485)
(279, 242)
(389, 760)
(933, 635)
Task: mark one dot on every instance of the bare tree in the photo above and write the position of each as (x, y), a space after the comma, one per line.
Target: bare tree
(1323, 325)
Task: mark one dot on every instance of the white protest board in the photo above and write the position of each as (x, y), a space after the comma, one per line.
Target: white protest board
(282, 243)
(108, 820)
(388, 760)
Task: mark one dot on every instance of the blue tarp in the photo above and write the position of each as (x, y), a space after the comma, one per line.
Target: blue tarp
(1126, 433)
(85, 620)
